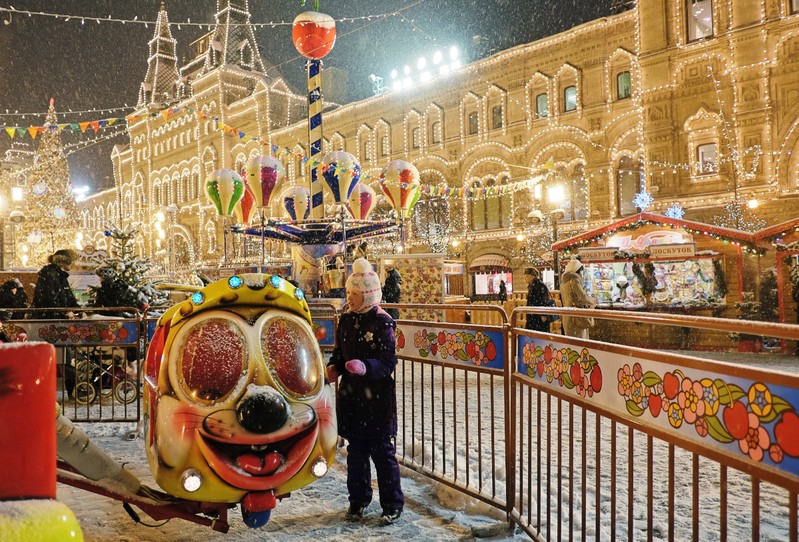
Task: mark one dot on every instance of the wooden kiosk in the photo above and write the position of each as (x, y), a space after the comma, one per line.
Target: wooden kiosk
(651, 262)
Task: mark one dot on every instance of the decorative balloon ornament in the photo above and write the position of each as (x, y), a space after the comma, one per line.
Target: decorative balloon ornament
(224, 188)
(265, 174)
(314, 34)
(236, 405)
(362, 201)
(243, 211)
(400, 182)
(341, 172)
(297, 202)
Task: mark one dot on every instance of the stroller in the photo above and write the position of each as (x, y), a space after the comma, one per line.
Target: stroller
(102, 371)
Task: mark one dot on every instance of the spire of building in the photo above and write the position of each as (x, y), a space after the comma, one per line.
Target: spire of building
(233, 42)
(162, 82)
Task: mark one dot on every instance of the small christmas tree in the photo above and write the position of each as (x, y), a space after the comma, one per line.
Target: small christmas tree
(124, 265)
(769, 304)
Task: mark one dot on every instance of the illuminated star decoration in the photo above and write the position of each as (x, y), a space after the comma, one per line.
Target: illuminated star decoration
(643, 200)
(675, 211)
(368, 336)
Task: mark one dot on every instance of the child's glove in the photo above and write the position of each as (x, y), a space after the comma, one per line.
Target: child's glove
(332, 373)
(356, 367)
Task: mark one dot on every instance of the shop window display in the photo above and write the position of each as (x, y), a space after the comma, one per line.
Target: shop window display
(678, 283)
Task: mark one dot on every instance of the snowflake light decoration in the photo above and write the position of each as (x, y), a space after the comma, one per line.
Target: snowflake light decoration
(643, 200)
(675, 211)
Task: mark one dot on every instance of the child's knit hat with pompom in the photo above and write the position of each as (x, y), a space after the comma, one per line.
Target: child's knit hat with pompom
(363, 279)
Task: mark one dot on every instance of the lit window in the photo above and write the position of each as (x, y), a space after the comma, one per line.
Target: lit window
(629, 180)
(623, 85)
(570, 98)
(707, 158)
(542, 105)
(472, 123)
(436, 132)
(496, 117)
(384, 146)
(700, 19)
(417, 138)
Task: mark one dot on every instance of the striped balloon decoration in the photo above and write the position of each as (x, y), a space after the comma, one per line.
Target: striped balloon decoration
(224, 188)
(297, 202)
(264, 175)
(362, 201)
(342, 172)
(243, 211)
(400, 182)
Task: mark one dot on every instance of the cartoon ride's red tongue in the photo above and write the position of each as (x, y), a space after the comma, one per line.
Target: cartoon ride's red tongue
(259, 501)
(255, 465)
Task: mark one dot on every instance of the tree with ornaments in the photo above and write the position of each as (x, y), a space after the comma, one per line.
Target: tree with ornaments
(123, 281)
(52, 215)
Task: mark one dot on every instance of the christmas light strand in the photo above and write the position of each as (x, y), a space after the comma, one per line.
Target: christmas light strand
(147, 22)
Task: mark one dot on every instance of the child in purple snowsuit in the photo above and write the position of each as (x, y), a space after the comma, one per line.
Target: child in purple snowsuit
(366, 405)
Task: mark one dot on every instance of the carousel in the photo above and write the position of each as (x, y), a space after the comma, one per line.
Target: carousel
(321, 220)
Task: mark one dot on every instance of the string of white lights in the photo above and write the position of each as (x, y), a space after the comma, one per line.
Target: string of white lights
(11, 10)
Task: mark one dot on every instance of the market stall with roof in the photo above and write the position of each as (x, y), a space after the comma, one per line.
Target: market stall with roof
(657, 263)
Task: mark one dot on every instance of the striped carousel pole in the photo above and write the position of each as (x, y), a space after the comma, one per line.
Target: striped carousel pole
(315, 135)
(314, 34)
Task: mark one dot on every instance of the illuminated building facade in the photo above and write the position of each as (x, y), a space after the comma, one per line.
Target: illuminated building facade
(695, 102)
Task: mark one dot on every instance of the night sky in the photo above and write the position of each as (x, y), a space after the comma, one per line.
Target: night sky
(94, 66)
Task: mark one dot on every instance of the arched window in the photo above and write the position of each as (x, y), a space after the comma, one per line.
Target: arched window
(473, 123)
(628, 184)
(490, 211)
(384, 146)
(416, 138)
(579, 199)
(542, 105)
(623, 85)
(435, 131)
(496, 117)
(570, 98)
(699, 19)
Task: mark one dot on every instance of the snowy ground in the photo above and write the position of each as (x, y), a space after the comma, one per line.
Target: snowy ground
(315, 512)
(434, 511)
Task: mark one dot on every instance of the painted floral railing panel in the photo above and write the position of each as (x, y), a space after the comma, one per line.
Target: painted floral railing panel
(468, 346)
(744, 417)
(79, 332)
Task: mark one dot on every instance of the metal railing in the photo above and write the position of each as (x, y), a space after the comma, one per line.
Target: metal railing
(568, 438)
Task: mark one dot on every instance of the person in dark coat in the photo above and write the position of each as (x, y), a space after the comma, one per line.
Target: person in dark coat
(13, 296)
(503, 291)
(366, 404)
(537, 296)
(52, 286)
(115, 292)
(392, 291)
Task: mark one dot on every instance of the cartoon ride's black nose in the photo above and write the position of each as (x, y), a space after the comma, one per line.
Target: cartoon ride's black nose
(263, 412)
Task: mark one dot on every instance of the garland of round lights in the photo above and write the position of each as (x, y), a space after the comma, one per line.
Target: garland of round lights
(147, 22)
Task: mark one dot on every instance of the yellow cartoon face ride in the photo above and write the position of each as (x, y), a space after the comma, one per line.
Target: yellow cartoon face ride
(236, 405)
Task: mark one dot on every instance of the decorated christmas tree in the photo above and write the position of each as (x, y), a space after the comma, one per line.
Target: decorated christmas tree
(123, 274)
(52, 216)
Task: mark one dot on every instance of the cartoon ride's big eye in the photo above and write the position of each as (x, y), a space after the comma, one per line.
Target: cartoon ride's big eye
(212, 360)
(292, 354)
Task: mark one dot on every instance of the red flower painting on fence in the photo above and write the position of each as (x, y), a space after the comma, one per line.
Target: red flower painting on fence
(724, 411)
(571, 369)
(477, 347)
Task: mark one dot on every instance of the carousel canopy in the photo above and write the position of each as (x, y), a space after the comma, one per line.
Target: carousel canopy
(320, 232)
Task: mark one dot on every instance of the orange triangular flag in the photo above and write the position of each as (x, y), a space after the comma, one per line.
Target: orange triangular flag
(33, 130)
(83, 126)
(96, 125)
